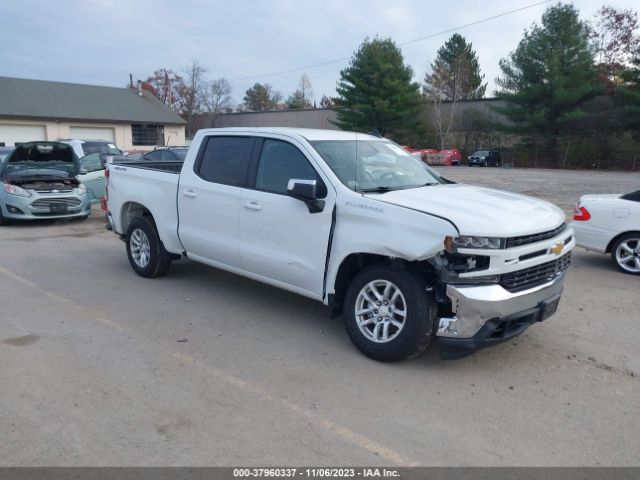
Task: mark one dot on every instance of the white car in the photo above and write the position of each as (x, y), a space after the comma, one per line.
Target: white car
(610, 224)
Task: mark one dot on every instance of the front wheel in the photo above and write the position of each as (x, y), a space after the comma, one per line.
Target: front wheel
(626, 253)
(389, 316)
(147, 255)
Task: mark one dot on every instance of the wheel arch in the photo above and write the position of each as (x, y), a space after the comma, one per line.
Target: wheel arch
(355, 262)
(618, 237)
(130, 211)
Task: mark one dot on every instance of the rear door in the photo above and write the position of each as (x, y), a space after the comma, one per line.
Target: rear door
(280, 239)
(209, 198)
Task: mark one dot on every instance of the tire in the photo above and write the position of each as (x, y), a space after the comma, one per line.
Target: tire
(625, 253)
(417, 326)
(3, 221)
(145, 251)
(484, 164)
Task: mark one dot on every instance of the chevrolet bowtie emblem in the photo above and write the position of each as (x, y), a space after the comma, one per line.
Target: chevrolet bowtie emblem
(557, 248)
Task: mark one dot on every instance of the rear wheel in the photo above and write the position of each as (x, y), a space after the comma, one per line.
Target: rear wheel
(389, 317)
(3, 221)
(626, 253)
(147, 255)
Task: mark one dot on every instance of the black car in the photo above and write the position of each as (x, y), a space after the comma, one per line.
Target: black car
(485, 158)
(176, 154)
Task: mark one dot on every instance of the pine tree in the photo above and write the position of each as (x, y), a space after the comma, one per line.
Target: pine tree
(549, 77)
(457, 64)
(376, 92)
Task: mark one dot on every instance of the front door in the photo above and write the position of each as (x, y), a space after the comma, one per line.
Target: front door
(92, 175)
(280, 239)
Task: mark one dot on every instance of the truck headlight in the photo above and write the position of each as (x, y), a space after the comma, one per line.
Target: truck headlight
(469, 241)
(16, 190)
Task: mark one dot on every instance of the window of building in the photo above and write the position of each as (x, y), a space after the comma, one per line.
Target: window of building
(145, 134)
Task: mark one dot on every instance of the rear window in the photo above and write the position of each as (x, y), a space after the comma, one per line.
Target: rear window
(180, 152)
(225, 160)
(482, 152)
(102, 148)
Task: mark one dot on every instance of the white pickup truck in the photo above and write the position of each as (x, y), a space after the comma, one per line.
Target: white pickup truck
(353, 221)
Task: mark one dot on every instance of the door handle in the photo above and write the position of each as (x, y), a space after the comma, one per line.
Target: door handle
(189, 193)
(253, 206)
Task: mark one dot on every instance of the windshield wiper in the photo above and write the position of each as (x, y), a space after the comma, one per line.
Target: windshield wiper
(376, 190)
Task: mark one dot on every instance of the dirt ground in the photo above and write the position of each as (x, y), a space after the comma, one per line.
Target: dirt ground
(202, 367)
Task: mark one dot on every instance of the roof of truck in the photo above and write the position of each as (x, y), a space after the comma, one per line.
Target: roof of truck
(311, 134)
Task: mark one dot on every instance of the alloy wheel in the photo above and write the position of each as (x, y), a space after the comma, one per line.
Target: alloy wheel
(380, 311)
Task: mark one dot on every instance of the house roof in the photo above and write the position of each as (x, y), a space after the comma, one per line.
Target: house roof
(25, 98)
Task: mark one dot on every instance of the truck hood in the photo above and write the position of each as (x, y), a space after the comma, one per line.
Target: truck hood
(478, 210)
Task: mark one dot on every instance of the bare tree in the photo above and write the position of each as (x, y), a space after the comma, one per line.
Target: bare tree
(302, 97)
(168, 87)
(193, 93)
(217, 99)
(439, 81)
(615, 40)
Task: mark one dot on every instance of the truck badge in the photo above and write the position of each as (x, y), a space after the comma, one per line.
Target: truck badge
(557, 248)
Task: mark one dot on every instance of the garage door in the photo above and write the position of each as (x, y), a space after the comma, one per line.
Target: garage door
(12, 134)
(93, 133)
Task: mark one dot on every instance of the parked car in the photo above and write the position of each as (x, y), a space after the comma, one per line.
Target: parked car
(451, 157)
(610, 224)
(134, 154)
(85, 147)
(485, 158)
(167, 153)
(353, 221)
(39, 180)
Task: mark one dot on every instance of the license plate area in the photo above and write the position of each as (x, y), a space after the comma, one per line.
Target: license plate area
(58, 209)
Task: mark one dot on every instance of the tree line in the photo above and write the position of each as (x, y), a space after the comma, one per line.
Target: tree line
(570, 91)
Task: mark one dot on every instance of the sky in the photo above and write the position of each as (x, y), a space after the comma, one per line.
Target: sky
(101, 42)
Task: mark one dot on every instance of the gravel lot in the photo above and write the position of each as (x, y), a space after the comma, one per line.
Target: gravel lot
(202, 367)
(562, 187)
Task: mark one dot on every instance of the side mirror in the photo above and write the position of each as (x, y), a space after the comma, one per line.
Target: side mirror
(307, 192)
(83, 171)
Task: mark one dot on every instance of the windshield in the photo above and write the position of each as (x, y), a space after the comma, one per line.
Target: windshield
(482, 152)
(101, 148)
(366, 165)
(41, 156)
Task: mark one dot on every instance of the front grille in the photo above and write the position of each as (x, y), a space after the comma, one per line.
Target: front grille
(535, 237)
(534, 276)
(47, 203)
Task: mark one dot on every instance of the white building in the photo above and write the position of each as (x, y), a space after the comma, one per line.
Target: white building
(42, 110)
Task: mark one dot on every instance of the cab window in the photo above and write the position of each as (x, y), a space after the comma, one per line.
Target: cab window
(280, 162)
(225, 160)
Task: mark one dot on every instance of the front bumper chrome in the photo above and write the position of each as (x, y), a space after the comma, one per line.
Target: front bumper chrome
(474, 306)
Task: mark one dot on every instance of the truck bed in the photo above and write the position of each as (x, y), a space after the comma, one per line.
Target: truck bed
(152, 185)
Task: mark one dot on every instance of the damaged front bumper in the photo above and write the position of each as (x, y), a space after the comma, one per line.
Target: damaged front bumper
(485, 315)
